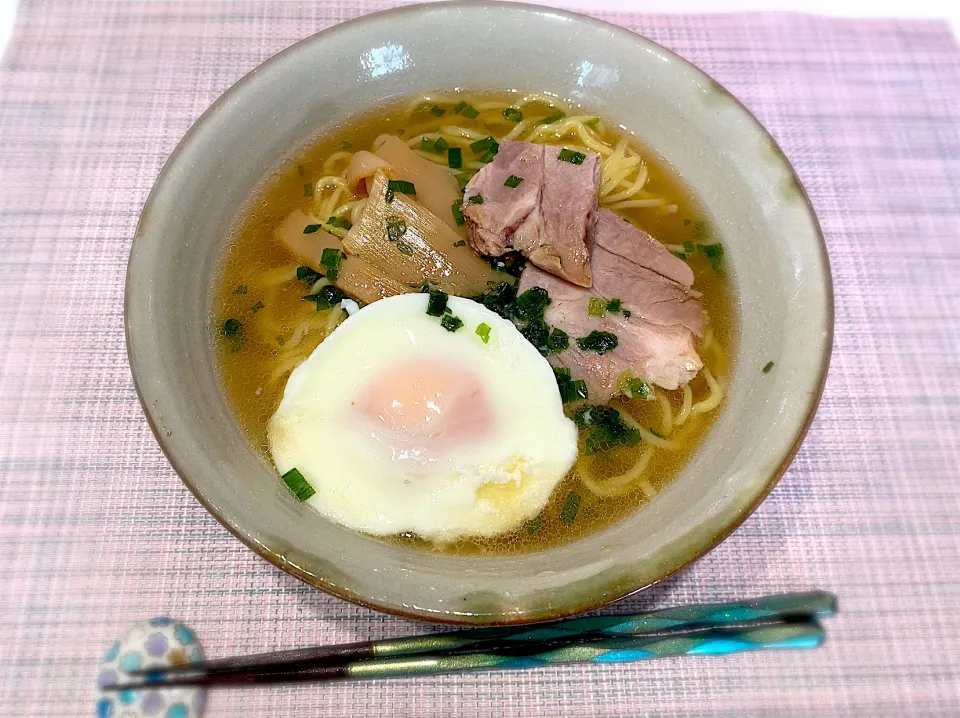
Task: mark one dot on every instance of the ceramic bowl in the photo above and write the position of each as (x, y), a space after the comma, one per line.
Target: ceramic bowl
(750, 193)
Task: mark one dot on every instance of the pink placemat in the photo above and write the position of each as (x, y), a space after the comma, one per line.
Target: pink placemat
(96, 531)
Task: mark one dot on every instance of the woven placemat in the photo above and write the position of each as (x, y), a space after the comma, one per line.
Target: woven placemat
(97, 532)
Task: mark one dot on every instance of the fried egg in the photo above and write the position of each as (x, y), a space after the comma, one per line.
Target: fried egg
(401, 425)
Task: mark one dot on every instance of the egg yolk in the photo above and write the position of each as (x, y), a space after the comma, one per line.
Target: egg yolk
(429, 406)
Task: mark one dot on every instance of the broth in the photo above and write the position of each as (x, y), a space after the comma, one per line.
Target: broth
(257, 286)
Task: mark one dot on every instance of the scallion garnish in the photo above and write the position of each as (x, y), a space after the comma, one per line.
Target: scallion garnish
(487, 144)
(396, 228)
(613, 305)
(330, 261)
(458, 108)
(639, 389)
(463, 178)
(469, 112)
(457, 213)
(241, 289)
(308, 275)
(437, 146)
(232, 327)
(451, 323)
(476, 199)
(571, 156)
(404, 247)
(571, 507)
(483, 331)
(300, 487)
(626, 313)
(257, 307)
(531, 305)
(437, 111)
(461, 243)
(604, 429)
(311, 228)
(308, 190)
(768, 367)
(341, 222)
(599, 342)
(327, 296)
(402, 186)
(558, 341)
(596, 307)
(552, 118)
(455, 158)
(688, 247)
(513, 182)
(513, 114)
(346, 145)
(592, 122)
(570, 389)
(437, 302)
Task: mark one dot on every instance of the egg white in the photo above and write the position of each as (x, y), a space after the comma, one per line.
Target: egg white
(482, 488)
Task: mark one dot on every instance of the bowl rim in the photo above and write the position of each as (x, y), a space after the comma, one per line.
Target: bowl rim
(343, 592)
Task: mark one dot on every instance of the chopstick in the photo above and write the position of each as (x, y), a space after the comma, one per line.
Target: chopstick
(785, 621)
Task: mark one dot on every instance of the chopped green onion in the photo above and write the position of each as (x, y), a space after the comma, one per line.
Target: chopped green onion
(257, 307)
(511, 262)
(341, 222)
(552, 118)
(655, 432)
(404, 247)
(613, 305)
(437, 302)
(402, 186)
(639, 389)
(531, 305)
(599, 342)
(396, 228)
(437, 111)
(298, 485)
(487, 144)
(326, 297)
(604, 429)
(232, 327)
(451, 323)
(455, 158)
(308, 190)
(626, 313)
(457, 213)
(488, 157)
(241, 289)
(513, 182)
(558, 341)
(330, 261)
(699, 231)
(476, 199)
(311, 228)
(535, 525)
(596, 307)
(571, 156)
(768, 367)
(463, 178)
(537, 333)
(570, 389)
(688, 247)
(714, 251)
(483, 331)
(513, 114)
(461, 243)
(281, 341)
(686, 222)
(437, 146)
(346, 145)
(469, 112)
(592, 122)
(459, 107)
(308, 275)
(568, 514)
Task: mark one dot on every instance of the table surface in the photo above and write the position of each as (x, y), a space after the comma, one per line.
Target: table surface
(947, 9)
(97, 532)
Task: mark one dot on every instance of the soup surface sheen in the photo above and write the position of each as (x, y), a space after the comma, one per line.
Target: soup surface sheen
(263, 329)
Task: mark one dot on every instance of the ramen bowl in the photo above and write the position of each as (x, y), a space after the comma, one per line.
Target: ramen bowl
(749, 192)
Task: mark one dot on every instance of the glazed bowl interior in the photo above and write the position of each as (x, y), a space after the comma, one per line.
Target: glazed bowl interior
(746, 187)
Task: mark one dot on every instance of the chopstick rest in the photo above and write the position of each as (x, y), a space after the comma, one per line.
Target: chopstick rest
(154, 644)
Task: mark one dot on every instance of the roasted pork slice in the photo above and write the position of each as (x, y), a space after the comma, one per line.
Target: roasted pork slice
(540, 200)
(618, 236)
(656, 327)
